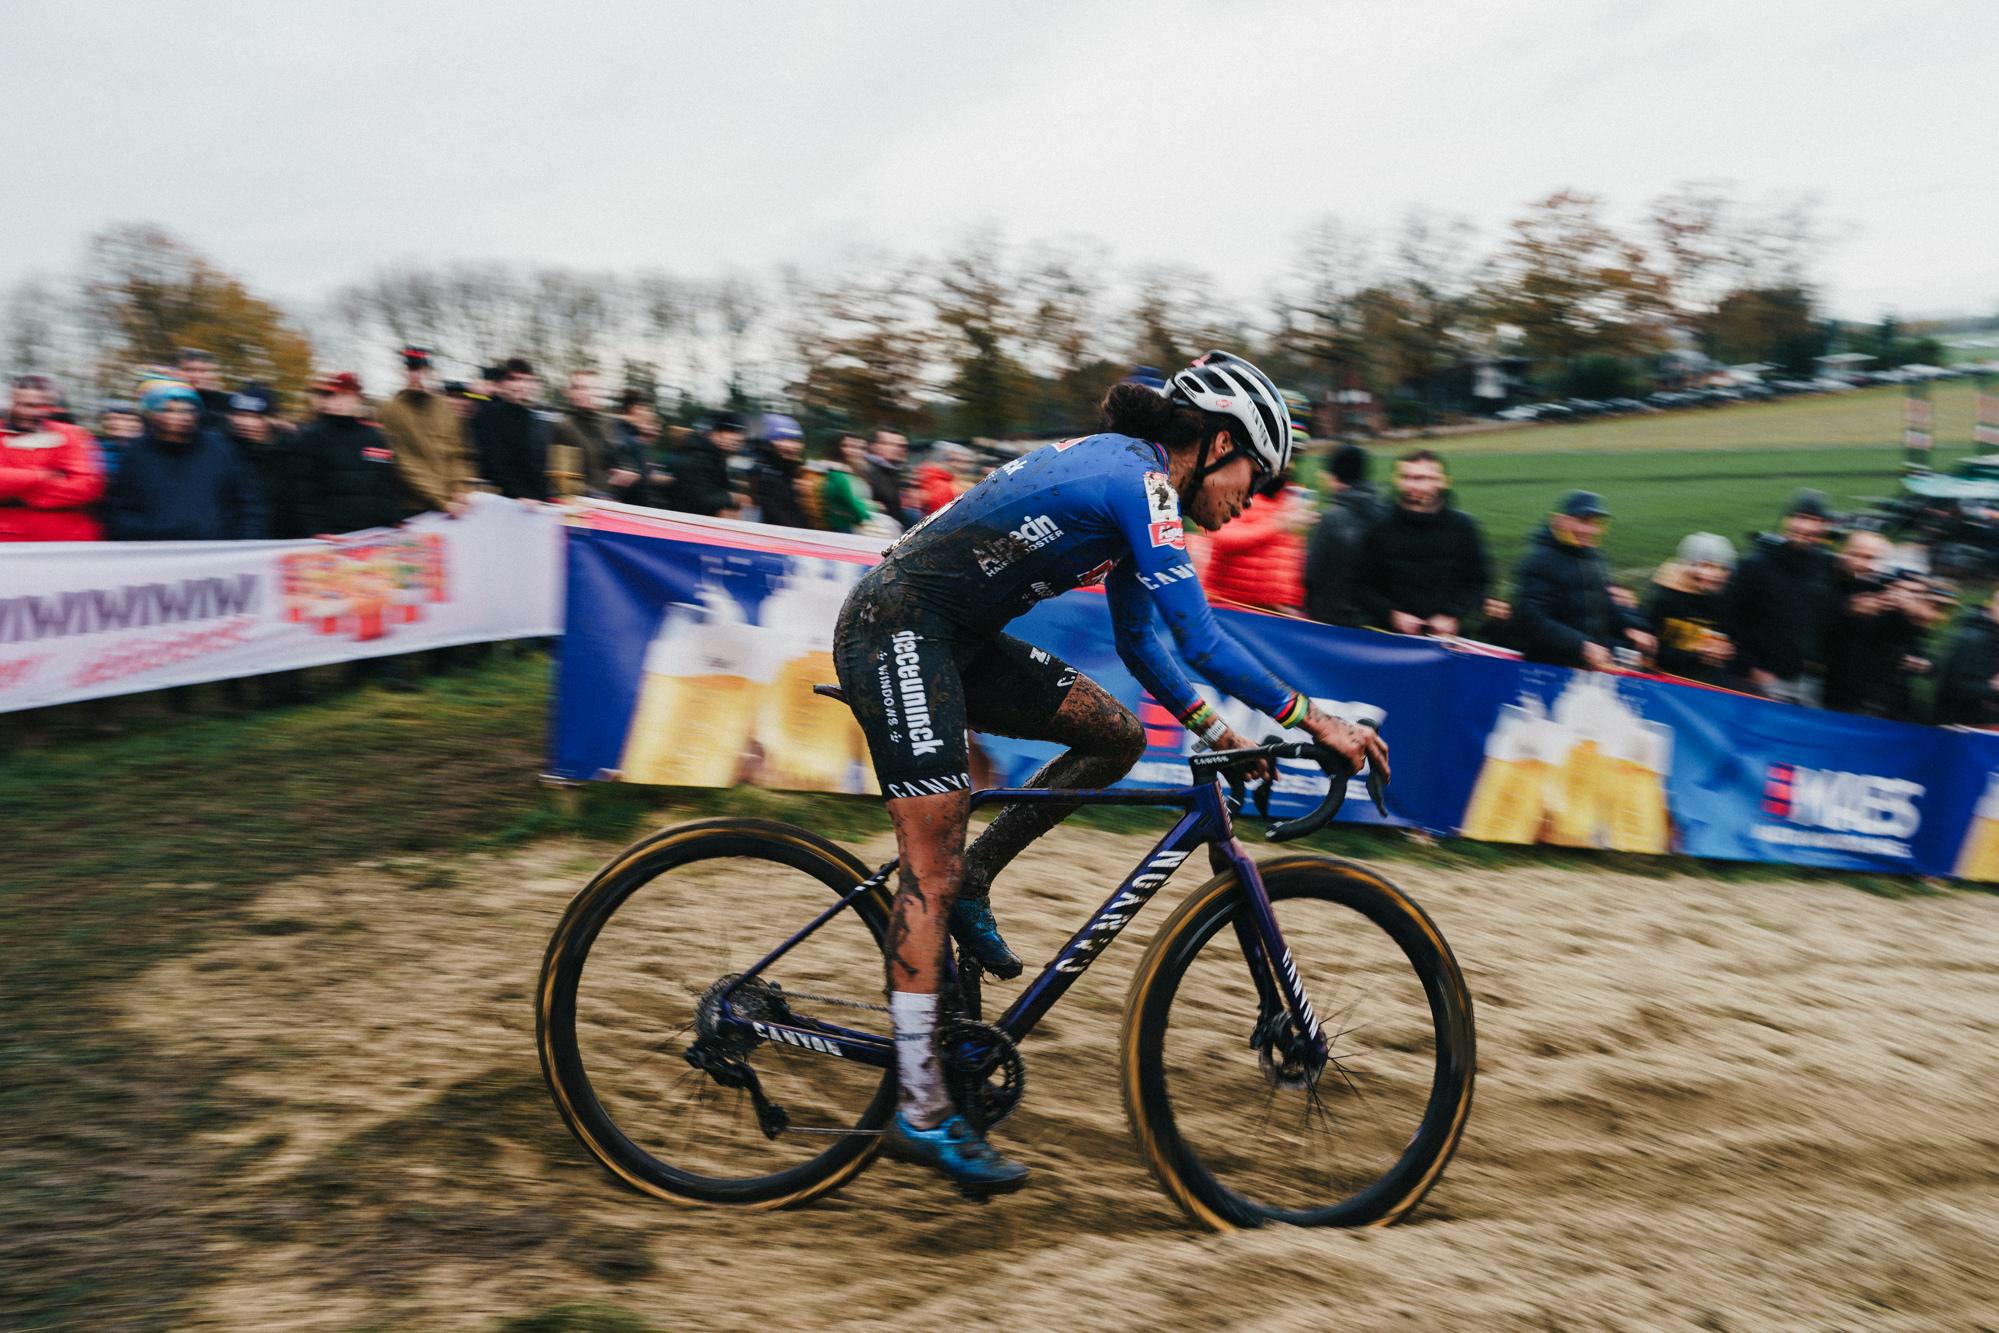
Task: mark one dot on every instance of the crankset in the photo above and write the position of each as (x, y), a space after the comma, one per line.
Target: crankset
(983, 1069)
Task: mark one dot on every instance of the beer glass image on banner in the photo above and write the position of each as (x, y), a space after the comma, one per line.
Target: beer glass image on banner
(723, 700)
(1591, 774)
(1979, 856)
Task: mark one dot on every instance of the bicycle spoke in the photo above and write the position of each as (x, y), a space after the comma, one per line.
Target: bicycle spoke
(652, 975)
(1352, 1115)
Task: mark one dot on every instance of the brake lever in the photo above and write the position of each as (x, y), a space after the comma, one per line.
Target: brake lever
(1377, 785)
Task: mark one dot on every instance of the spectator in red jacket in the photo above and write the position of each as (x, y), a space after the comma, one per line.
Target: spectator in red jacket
(1259, 559)
(50, 472)
(941, 479)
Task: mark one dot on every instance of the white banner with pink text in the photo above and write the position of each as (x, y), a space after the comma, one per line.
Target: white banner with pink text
(83, 620)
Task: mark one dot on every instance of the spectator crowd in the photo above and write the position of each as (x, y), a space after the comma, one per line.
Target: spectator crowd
(1797, 618)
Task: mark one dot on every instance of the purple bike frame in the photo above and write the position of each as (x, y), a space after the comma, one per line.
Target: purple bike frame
(1205, 819)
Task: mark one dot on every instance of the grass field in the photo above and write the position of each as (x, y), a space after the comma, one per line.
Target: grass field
(1726, 470)
(1858, 417)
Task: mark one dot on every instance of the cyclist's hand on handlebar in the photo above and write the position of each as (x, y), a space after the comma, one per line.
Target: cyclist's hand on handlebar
(1252, 772)
(1357, 745)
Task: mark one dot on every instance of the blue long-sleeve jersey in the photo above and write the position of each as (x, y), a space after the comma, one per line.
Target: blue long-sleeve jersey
(1090, 510)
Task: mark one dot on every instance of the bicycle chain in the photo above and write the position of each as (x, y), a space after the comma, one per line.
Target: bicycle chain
(828, 999)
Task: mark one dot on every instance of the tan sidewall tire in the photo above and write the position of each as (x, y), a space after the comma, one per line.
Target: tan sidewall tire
(1360, 888)
(555, 1011)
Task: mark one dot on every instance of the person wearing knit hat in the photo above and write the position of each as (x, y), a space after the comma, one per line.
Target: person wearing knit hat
(1352, 510)
(118, 424)
(181, 479)
(160, 396)
(269, 445)
(1688, 610)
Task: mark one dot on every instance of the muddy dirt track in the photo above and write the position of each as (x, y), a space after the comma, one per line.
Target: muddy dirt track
(1700, 1105)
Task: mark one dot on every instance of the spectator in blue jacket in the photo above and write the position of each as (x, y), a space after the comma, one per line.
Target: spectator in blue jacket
(118, 424)
(181, 480)
(1564, 609)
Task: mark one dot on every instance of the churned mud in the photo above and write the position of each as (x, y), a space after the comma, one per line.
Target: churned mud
(1700, 1105)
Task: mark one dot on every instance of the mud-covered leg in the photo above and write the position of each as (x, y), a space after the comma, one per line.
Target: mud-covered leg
(930, 837)
(1104, 741)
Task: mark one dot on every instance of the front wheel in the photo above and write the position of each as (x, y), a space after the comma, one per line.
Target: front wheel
(1238, 1137)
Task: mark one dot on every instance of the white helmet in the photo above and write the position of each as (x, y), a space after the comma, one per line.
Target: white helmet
(1225, 383)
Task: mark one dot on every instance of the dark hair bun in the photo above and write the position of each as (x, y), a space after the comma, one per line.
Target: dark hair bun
(1134, 410)
(1146, 414)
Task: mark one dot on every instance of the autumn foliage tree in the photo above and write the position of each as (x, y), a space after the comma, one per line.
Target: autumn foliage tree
(863, 344)
(147, 294)
(1574, 286)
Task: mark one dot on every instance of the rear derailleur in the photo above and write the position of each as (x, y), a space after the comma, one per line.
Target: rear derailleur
(719, 1055)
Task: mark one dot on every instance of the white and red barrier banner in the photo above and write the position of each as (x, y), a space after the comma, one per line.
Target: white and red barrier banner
(82, 620)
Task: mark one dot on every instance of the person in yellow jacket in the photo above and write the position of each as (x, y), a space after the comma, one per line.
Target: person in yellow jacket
(427, 436)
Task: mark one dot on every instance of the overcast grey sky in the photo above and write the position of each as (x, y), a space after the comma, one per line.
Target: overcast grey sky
(301, 143)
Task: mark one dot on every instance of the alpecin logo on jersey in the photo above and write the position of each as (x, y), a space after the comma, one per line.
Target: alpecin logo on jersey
(1034, 532)
(904, 699)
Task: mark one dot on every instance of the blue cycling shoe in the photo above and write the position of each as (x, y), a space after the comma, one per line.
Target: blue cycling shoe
(972, 922)
(959, 1151)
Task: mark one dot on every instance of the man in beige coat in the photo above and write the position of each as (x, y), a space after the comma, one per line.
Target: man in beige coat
(428, 438)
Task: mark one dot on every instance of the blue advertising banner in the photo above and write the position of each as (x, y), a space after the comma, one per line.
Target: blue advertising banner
(692, 645)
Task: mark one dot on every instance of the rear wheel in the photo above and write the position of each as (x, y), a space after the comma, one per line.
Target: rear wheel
(1238, 1129)
(630, 985)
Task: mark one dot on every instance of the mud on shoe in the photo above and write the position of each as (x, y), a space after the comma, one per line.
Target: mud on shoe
(957, 1150)
(973, 925)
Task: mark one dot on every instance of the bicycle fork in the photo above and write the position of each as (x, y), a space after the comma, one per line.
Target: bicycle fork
(1286, 1026)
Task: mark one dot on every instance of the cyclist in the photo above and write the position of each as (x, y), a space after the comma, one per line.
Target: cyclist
(921, 656)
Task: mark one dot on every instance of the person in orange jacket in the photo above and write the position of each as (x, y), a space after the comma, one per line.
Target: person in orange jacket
(51, 474)
(942, 477)
(1259, 559)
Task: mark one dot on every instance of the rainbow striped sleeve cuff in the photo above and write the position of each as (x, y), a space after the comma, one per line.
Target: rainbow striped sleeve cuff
(1294, 712)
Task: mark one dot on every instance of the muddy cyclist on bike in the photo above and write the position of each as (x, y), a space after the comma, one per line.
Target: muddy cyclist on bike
(922, 656)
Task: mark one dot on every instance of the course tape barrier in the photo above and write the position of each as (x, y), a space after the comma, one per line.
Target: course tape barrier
(83, 620)
(691, 646)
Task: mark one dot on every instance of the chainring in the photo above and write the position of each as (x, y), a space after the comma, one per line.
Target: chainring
(983, 1069)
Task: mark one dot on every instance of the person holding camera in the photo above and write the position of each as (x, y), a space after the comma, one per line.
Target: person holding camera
(1968, 680)
(1875, 649)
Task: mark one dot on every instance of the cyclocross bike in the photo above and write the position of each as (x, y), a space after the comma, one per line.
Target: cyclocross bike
(701, 1065)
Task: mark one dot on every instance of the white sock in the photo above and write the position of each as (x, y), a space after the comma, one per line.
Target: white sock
(921, 1097)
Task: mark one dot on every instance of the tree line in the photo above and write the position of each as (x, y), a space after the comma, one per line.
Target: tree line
(994, 337)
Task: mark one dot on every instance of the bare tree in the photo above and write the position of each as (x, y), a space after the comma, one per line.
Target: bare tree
(1065, 318)
(739, 305)
(978, 315)
(35, 322)
(865, 339)
(1320, 312)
